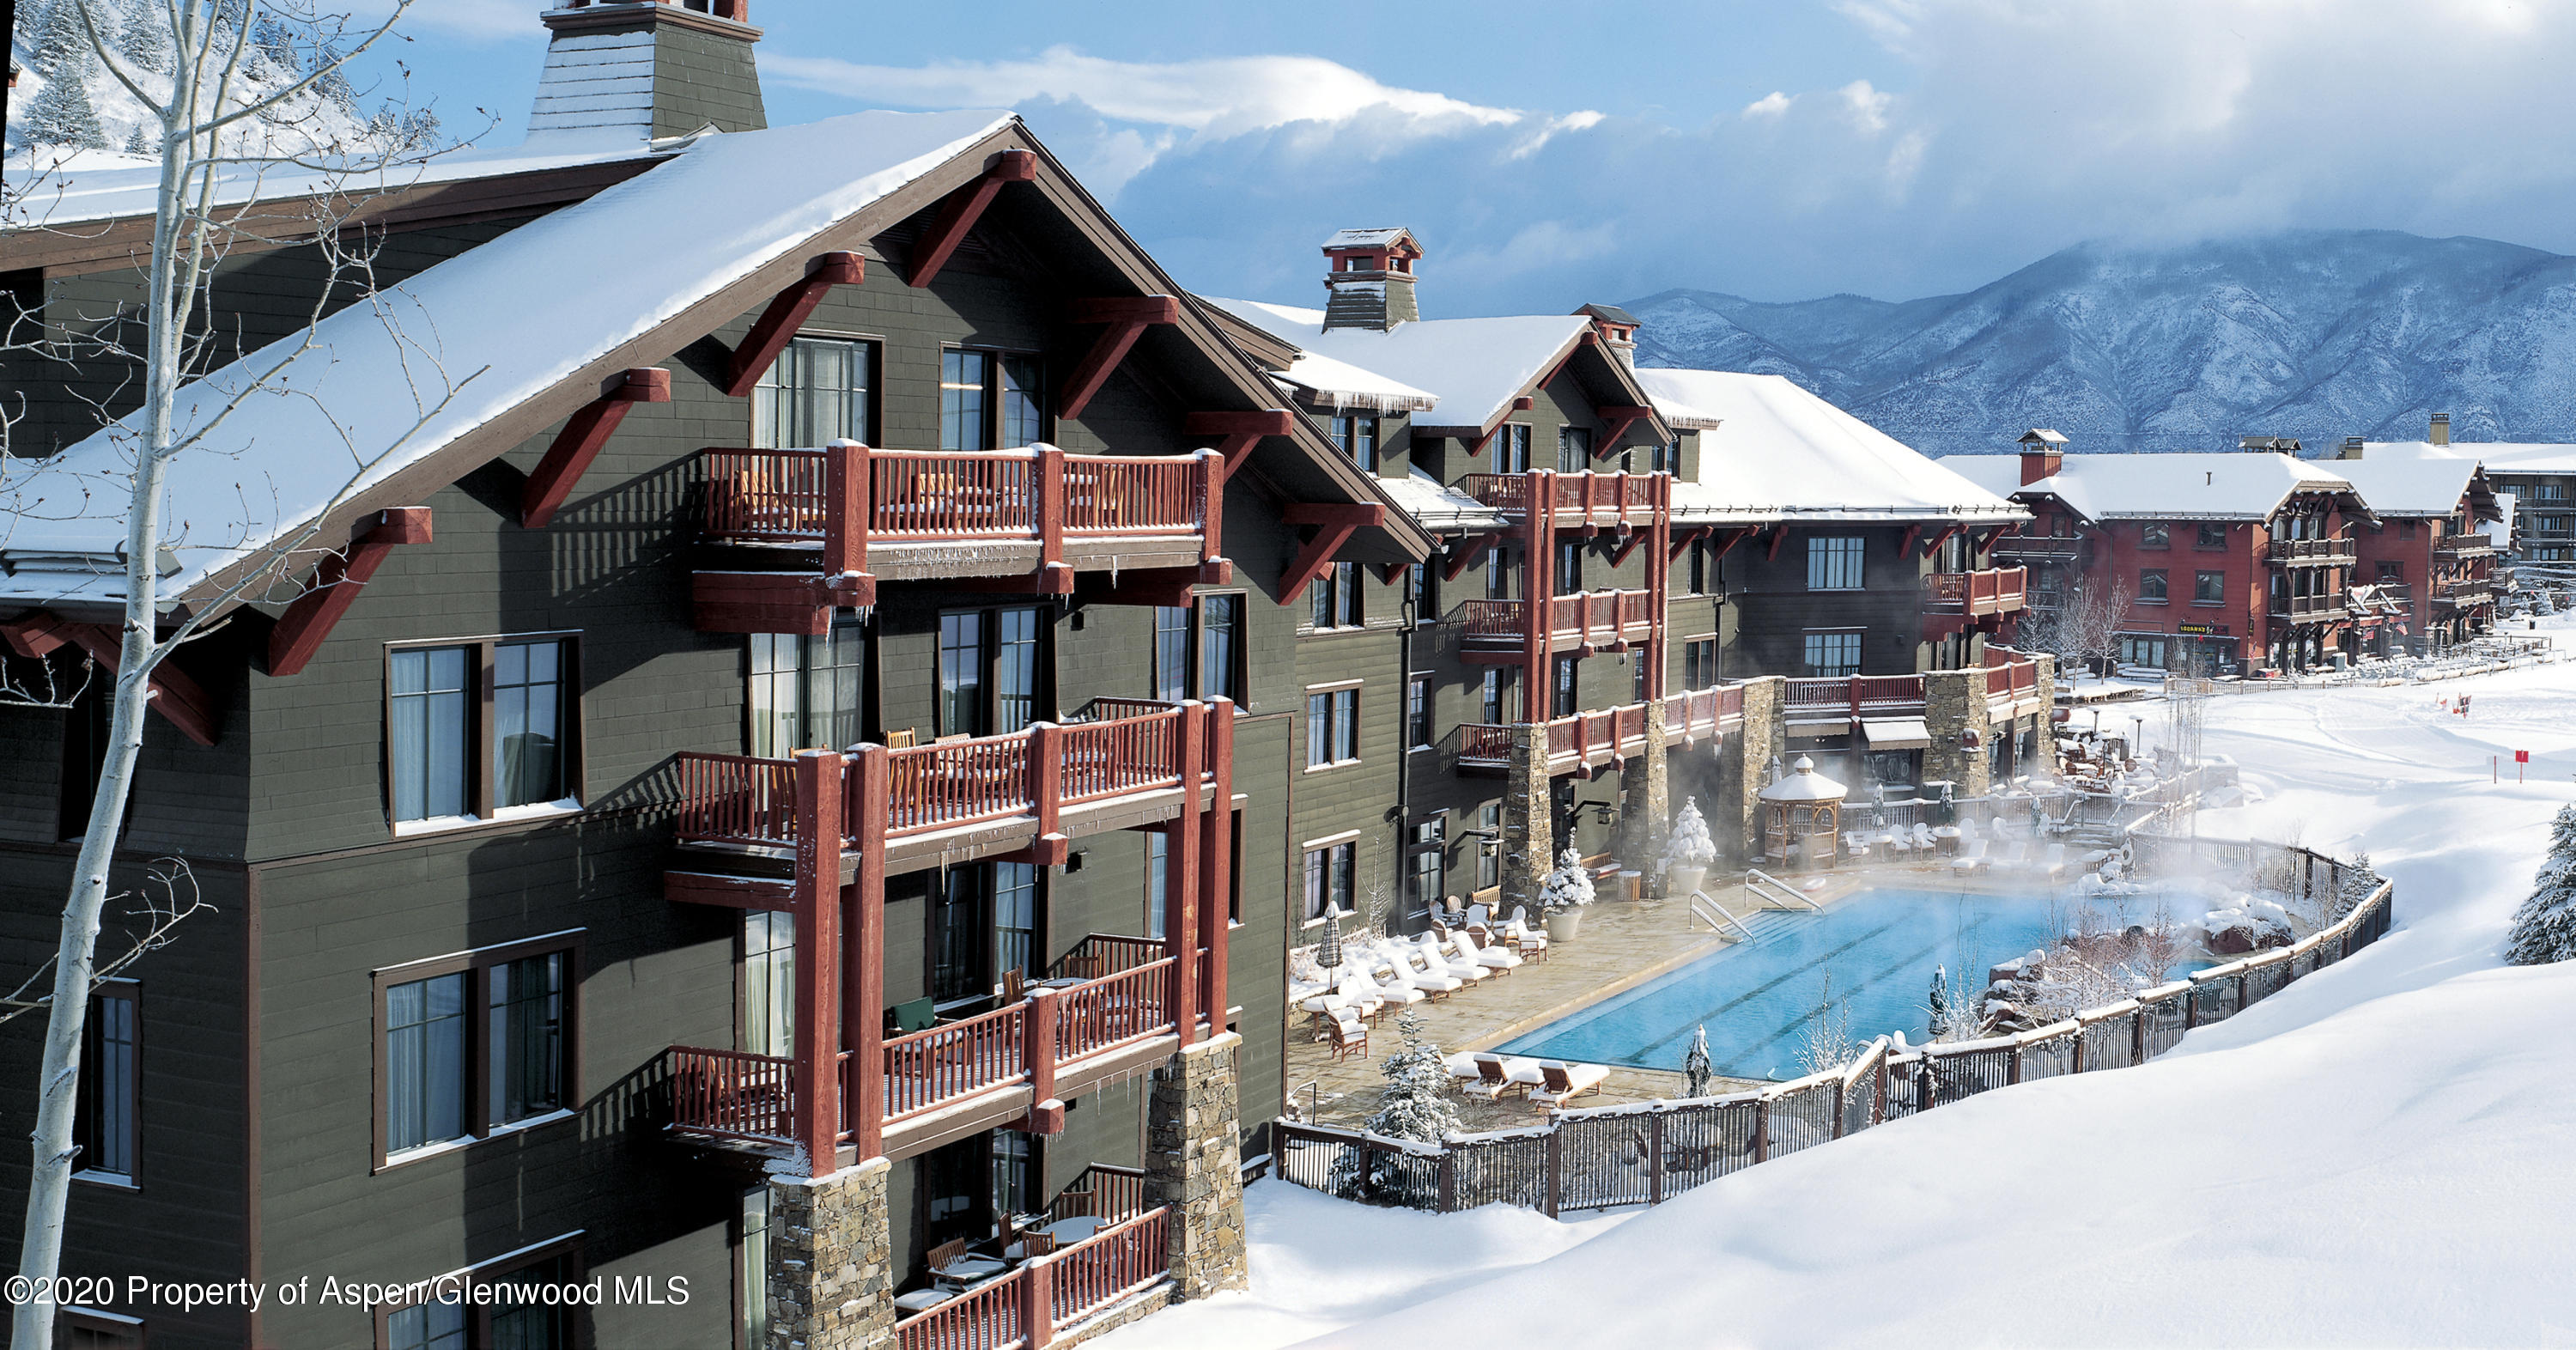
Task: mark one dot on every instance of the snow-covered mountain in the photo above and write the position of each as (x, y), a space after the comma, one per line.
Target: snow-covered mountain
(2316, 334)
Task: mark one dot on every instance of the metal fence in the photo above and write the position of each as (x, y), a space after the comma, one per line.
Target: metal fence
(1646, 1152)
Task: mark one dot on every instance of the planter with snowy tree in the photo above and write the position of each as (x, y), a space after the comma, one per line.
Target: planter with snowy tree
(1563, 895)
(1688, 855)
(2544, 929)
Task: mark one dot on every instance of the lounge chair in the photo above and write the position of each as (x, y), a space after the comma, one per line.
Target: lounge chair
(1438, 983)
(1478, 916)
(1897, 841)
(1565, 1082)
(1496, 1076)
(1923, 837)
(1363, 996)
(1972, 855)
(1462, 1065)
(2052, 864)
(1396, 994)
(1530, 942)
(1348, 1038)
(1492, 958)
(1438, 959)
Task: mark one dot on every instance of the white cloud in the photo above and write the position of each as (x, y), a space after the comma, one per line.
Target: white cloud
(1868, 107)
(1772, 104)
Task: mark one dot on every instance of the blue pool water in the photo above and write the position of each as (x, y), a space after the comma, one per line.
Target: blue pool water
(1879, 947)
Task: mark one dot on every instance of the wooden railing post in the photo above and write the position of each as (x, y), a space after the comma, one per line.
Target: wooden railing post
(1878, 1102)
(1761, 1131)
(2012, 1067)
(1555, 1165)
(1216, 889)
(1046, 787)
(1212, 508)
(1037, 1052)
(1448, 1181)
(847, 504)
(2138, 1038)
(1181, 874)
(1037, 1302)
(865, 1030)
(1055, 574)
(818, 958)
(1655, 1158)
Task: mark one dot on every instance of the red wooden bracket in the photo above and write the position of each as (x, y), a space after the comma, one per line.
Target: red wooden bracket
(1465, 551)
(769, 334)
(181, 701)
(1128, 317)
(1339, 523)
(1913, 534)
(336, 583)
(1937, 541)
(962, 208)
(1241, 430)
(1619, 555)
(1779, 536)
(580, 441)
(1620, 416)
(1524, 403)
(1986, 538)
(1683, 539)
(1477, 446)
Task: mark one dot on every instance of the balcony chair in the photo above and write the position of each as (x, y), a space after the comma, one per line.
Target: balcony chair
(952, 1268)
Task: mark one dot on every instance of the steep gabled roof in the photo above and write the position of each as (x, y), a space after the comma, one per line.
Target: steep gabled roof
(1767, 446)
(2212, 485)
(2416, 479)
(470, 357)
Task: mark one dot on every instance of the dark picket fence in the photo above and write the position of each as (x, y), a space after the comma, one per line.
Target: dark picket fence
(1646, 1152)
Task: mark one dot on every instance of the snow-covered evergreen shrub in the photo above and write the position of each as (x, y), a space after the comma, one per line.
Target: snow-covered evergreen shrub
(1568, 886)
(1416, 1107)
(2544, 929)
(61, 113)
(1690, 845)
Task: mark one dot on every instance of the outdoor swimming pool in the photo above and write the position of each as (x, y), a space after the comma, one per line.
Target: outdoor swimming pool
(1880, 947)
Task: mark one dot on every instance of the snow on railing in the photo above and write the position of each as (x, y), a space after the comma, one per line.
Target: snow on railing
(1646, 1152)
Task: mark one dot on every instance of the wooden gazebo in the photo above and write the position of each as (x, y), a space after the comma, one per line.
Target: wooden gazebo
(1802, 816)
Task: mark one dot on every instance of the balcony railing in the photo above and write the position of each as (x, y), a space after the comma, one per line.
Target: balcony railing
(995, 494)
(2312, 550)
(2458, 546)
(1104, 1191)
(1998, 590)
(2311, 606)
(2475, 590)
(1583, 496)
(1049, 1293)
(1854, 696)
(2042, 547)
(1704, 712)
(1588, 736)
(732, 1094)
(1600, 618)
(741, 800)
(2012, 679)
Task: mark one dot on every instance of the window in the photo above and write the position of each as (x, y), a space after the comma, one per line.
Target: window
(1332, 728)
(768, 982)
(2392, 571)
(1569, 568)
(1833, 655)
(2155, 535)
(1511, 448)
(1491, 709)
(2136, 650)
(427, 1326)
(1704, 575)
(1834, 563)
(1637, 669)
(1417, 713)
(1158, 882)
(104, 1124)
(2212, 535)
(1498, 574)
(2151, 586)
(1221, 647)
(518, 1316)
(2406, 529)
(1013, 1162)
(1565, 702)
(967, 957)
(1337, 596)
(474, 1044)
(2209, 588)
(1425, 865)
(816, 392)
(1171, 653)
(1422, 585)
(93, 1329)
(436, 698)
(1699, 664)
(806, 692)
(1330, 878)
(1357, 436)
(1489, 851)
(1015, 916)
(1573, 449)
(988, 671)
(751, 1272)
(989, 401)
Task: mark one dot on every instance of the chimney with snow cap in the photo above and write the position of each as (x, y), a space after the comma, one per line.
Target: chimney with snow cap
(2440, 433)
(655, 68)
(1371, 278)
(1618, 330)
(2043, 453)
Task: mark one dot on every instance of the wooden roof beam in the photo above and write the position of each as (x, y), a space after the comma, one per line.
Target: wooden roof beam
(961, 209)
(1683, 539)
(1338, 523)
(1128, 317)
(300, 631)
(1464, 551)
(1620, 417)
(581, 439)
(1779, 536)
(1933, 545)
(787, 313)
(180, 700)
(1241, 431)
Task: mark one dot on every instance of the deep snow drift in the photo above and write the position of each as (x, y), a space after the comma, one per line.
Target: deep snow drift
(2382, 1154)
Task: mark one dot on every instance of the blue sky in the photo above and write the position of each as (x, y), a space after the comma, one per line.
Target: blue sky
(1550, 154)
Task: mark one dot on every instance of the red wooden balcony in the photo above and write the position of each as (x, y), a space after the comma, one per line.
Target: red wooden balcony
(1853, 697)
(1038, 1299)
(1704, 714)
(2311, 608)
(1597, 499)
(2459, 547)
(2008, 678)
(2312, 551)
(900, 515)
(2057, 548)
(2474, 591)
(1577, 624)
(1995, 590)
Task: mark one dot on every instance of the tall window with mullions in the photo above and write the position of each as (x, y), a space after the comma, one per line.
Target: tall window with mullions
(1171, 653)
(1015, 916)
(428, 693)
(806, 692)
(1221, 647)
(817, 391)
(527, 1037)
(527, 723)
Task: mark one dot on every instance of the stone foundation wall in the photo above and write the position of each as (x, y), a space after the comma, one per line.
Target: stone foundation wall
(1194, 1163)
(1647, 811)
(1529, 835)
(831, 1260)
(1954, 702)
(1734, 814)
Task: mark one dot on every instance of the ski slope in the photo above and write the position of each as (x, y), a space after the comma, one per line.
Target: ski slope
(2384, 1154)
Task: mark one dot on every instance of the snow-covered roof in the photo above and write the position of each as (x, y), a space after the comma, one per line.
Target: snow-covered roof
(1770, 447)
(1473, 367)
(1339, 385)
(1804, 784)
(86, 188)
(2498, 456)
(2211, 485)
(1438, 507)
(1379, 237)
(501, 324)
(2408, 478)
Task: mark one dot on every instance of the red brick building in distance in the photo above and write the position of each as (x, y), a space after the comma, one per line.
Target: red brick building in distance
(2214, 562)
(2426, 573)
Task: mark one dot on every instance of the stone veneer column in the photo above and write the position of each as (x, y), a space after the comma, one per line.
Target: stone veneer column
(1735, 813)
(1954, 702)
(1194, 1163)
(1529, 832)
(1646, 818)
(831, 1260)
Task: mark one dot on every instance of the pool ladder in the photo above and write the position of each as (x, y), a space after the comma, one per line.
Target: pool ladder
(1771, 892)
(1703, 908)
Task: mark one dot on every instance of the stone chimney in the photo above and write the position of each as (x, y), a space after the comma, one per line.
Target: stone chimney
(1618, 330)
(2043, 453)
(2441, 430)
(655, 68)
(1371, 279)
(2352, 446)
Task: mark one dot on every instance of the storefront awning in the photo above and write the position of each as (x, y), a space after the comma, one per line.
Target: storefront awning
(1896, 733)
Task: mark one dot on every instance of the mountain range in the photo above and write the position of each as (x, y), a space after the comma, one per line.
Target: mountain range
(2316, 334)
